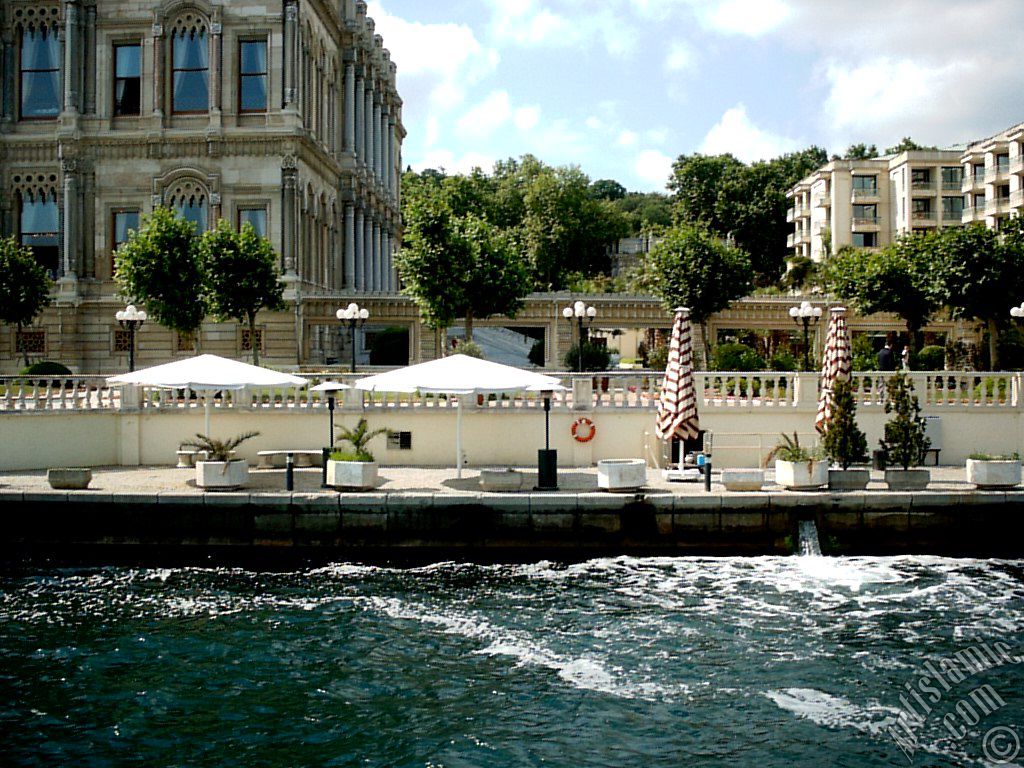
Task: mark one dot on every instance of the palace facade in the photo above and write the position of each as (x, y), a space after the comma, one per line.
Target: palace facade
(280, 113)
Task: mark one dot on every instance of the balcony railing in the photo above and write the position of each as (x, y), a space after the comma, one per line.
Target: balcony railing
(952, 186)
(997, 205)
(922, 186)
(864, 194)
(923, 215)
(1017, 164)
(1017, 198)
(952, 215)
(998, 173)
(865, 221)
(973, 212)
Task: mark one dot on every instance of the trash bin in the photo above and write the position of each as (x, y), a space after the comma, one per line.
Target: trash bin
(547, 469)
(878, 460)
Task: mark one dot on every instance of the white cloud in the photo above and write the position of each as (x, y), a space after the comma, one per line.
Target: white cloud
(526, 118)
(627, 138)
(433, 131)
(594, 123)
(654, 167)
(487, 116)
(525, 22)
(680, 58)
(736, 134)
(752, 18)
(656, 135)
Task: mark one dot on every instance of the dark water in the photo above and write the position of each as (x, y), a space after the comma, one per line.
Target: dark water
(775, 661)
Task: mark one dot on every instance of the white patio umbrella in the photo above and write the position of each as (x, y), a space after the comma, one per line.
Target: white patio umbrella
(836, 365)
(677, 405)
(459, 375)
(207, 374)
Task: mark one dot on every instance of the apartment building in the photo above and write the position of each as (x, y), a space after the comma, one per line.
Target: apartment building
(279, 113)
(867, 203)
(993, 178)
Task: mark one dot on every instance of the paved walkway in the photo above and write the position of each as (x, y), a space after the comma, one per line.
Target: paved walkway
(155, 480)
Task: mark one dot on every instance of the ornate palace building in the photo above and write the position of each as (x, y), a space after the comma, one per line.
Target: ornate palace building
(280, 113)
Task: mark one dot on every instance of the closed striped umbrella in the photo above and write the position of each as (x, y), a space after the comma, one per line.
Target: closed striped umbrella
(836, 365)
(677, 405)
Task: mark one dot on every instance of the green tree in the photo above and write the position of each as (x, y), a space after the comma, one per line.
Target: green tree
(844, 442)
(24, 286)
(905, 441)
(692, 267)
(606, 189)
(158, 268)
(859, 152)
(984, 276)
(907, 144)
(456, 266)
(900, 278)
(646, 211)
(241, 277)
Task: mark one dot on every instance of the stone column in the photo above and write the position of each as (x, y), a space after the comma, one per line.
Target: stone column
(69, 244)
(385, 249)
(350, 105)
(377, 285)
(7, 110)
(72, 52)
(357, 246)
(291, 63)
(90, 61)
(216, 63)
(289, 179)
(378, 166)
(368, 125)
(392, 183)
(158, 69)
(369, 274)
(350, 246)
(358, 116)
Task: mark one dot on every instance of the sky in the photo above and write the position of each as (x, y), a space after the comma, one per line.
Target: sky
(623, 87)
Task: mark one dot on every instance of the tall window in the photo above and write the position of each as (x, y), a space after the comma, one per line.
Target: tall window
(127, 79)
(865, 214)
(952, 177)
(865, 239)
(40, 74)
(190, 76)
(192, 208)
(252, 87)
(865, 183)
(40, 228)
(257, 216)
(124, 223)
(952, 208)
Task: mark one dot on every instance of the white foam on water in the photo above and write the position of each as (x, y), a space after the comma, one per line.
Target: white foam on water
(830, 711)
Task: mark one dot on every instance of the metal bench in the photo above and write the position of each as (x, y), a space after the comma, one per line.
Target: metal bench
(303, 457)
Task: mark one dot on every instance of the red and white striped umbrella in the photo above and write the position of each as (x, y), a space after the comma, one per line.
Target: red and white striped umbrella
(836, 365)
(677, 405)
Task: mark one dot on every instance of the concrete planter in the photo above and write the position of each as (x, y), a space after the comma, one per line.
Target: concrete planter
(801, 475)
(69, 478)
(352, 475)
(986, 473)
(743, 479)
(222, 475)
(907, 479)
(848, 479)
(500, 480)
(621, 474)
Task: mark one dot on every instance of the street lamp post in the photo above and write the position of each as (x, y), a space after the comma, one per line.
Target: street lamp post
(131, 319)
(1017, 312)
(579, 310)
(807, 316)
(353, 314)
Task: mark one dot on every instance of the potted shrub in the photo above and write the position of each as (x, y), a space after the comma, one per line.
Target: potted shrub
(355, 467)
(796, 467)
(844, 443)
(219, 471)
(904, 442)
(988, 471)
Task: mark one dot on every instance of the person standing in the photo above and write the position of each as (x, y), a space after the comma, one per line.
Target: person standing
(886, 358)
(905, 358)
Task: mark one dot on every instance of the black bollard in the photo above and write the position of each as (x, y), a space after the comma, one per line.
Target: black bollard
(325, 454)
(707, 474)
(289, 473)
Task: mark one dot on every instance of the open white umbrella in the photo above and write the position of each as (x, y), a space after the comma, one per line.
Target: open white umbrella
(207, 374)
(459, 375)
(677, 404)
(836, 365)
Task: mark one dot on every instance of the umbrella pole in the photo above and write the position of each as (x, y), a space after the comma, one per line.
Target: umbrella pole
(206, 407)
(458, 440)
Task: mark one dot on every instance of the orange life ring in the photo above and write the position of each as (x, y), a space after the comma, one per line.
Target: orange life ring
(583, 430)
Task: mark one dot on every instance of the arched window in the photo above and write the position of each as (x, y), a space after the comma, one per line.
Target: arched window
(39, 227)
(40, 73)
(190, 68)
(189, 200)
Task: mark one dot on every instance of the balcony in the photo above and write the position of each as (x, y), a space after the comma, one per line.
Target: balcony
(923, 186)
(1017, 166)
(997, 205)
(1017, 199)
(970, 183)
(924, 218)
(952, 216)
(973, 213)
(864, 224)
(822, 201)
(864, 196)
(952, 186)
(791, 214)
(1000, 172)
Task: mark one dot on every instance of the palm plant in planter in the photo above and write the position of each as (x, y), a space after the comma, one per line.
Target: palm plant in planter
(844, 443)
(797, 467)
(219, 470)
(904, 442)
(354, 468)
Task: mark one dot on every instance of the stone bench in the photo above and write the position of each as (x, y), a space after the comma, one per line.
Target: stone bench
(303, 458)
(743, 479)
(500, 480)
(69, 478)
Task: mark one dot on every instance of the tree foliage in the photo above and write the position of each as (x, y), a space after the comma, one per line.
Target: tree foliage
(692, 267)
(904, 442)
(906, 144)
(24, 286)
(745, 203)
(240, 275)
(158, 268)
(844, 442)
(859, 151)
(458, 266)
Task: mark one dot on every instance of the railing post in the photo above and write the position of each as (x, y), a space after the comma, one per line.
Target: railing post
(805, 390)
(129, 398)
(582, 393)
